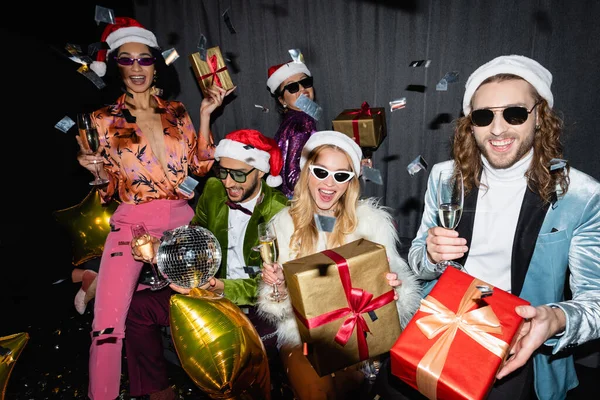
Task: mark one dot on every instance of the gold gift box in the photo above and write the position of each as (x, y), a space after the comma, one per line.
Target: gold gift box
(205, 72)
(371, 129)
(315, 288)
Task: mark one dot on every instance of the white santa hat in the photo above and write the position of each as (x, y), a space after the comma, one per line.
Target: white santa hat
(124, 30)
(279, 73)
(337, 139)
(255, 149)
(530, 70)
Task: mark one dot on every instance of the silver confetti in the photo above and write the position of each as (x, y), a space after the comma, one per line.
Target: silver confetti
(557, 163)
(442, 85)
(264, 109)
(64, 124)
(104, 14)
(170, 55)
(296, 55)
(372, 175)
(416, 165)
(397, 104)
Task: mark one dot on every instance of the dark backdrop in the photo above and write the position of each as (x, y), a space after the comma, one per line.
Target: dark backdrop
(358, 50)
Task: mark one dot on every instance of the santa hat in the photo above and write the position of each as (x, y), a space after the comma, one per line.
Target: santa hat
(530, 70)
(255, 149)
(279, 73)
(124, 30)
(337, 139)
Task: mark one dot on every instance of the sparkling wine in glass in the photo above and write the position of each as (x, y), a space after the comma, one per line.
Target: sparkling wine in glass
(90, 141)
(141, 240)
(450, 199)
(267, 246)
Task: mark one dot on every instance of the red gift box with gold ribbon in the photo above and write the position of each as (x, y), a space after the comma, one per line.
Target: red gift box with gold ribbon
(366, 125)
(212, 71)
(344, 307)
(457, 341)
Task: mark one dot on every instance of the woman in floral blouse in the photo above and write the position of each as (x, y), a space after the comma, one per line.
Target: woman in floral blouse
(147, 147)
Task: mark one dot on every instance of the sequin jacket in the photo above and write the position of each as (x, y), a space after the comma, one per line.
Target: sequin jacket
(294, 131)
(134, 171)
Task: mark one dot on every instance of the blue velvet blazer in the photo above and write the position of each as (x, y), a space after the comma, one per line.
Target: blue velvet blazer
(553, 243)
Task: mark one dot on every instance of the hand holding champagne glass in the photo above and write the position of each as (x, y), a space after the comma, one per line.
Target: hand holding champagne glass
(450, 198)
(267, 239)
(142, 246)
(90, 142)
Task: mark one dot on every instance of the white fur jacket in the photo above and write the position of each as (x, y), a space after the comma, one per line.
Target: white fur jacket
(375, 224)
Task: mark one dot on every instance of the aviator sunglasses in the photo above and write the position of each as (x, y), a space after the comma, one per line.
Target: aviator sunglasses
(143, 61)
(512, 115)
(322, 173)
(236, 175)
(293, 87)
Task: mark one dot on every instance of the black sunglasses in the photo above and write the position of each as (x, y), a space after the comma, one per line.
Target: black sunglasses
(293, 87)
(512, 115)
(322, 173)
(143, 61)
(236, 175)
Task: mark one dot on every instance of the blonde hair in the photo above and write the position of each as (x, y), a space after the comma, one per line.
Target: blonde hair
(302, 209)
(546, 146)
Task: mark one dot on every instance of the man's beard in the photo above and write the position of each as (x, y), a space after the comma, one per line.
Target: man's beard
(248, 192)
(507, 162)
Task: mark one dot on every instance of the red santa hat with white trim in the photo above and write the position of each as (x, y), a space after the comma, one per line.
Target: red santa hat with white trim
(124, 30)
(279, 73)
(255, 149)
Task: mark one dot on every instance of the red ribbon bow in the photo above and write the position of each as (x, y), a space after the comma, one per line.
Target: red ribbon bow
(212, 64)
(359, 302)
(364, 112)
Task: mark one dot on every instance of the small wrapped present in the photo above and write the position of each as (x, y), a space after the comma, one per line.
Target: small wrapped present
(457, 341)
(344, 306)
(213, 70)
(365, 125)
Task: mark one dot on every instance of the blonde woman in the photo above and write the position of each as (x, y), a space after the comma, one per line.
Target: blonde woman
(328, 185)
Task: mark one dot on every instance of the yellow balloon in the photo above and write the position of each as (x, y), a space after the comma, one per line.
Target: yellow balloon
(88, 225)
(218, 347)
(10, 348)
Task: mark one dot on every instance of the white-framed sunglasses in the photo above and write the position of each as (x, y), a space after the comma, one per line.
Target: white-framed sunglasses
(339, 176)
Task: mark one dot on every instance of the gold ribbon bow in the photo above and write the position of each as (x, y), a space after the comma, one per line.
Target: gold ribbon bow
(477, 323)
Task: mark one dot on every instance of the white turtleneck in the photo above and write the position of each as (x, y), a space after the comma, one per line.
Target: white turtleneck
(498, 208)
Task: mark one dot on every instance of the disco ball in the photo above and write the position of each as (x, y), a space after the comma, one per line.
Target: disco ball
(189, 256)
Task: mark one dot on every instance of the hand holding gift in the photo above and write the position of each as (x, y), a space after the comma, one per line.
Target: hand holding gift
(458, 322)
(215, 96)
(541, 323)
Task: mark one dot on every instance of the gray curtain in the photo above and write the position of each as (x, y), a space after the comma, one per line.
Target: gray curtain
(360, 50)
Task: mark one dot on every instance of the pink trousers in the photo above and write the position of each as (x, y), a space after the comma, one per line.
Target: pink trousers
(117, 281)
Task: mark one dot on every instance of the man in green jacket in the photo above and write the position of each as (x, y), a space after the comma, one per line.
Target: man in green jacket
(231, 206)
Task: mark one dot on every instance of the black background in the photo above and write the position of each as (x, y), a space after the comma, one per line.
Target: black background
(41, 175)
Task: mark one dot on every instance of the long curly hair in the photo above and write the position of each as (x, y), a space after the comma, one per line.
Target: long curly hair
(303, 207)
(546, 146)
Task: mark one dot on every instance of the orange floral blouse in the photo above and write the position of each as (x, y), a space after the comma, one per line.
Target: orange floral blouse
(134, 170)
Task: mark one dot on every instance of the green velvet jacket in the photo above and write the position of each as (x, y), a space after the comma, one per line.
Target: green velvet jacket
(212, 213)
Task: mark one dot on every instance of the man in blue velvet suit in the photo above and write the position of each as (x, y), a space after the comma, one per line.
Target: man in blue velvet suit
(530, 222)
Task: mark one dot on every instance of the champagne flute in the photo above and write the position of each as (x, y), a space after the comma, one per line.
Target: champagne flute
(91, 142)
(450, 198)
(267, 239)
(142, 242)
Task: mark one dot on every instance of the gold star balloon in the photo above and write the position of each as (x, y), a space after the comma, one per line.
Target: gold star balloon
(218, 347)
(88, 225)
(10, 348)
